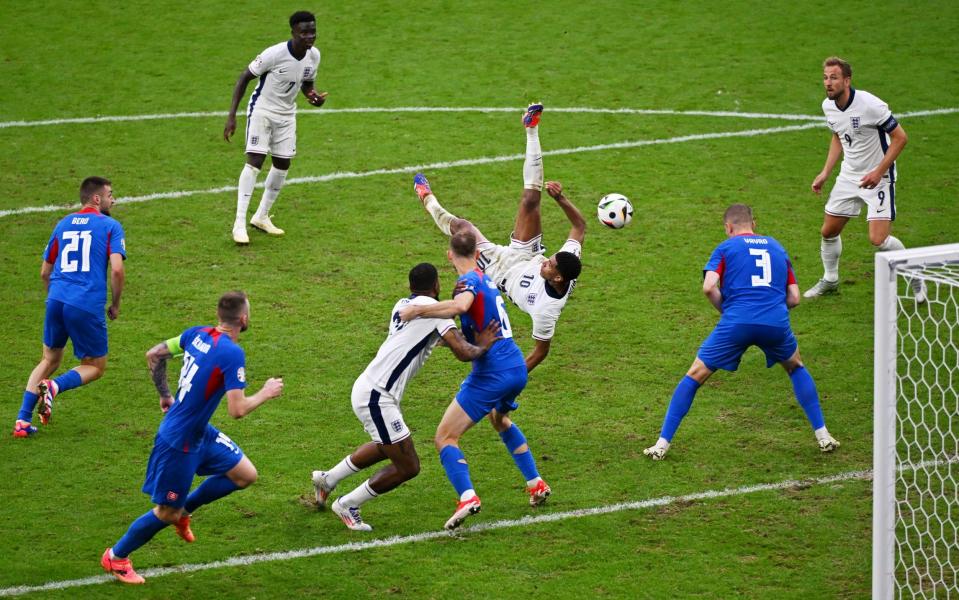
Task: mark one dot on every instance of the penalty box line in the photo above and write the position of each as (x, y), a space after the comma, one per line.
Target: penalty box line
(267, 557)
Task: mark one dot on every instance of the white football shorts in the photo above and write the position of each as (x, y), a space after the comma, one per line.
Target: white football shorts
(379, 413)
(846, 200)
(271, 134)
(496, 260)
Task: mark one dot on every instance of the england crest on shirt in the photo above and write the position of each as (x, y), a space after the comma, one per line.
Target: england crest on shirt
(855, 122)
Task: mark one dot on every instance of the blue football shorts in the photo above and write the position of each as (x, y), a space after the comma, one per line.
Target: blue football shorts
(480, 393)
(170, 471)
(87, 331)
(725, 346)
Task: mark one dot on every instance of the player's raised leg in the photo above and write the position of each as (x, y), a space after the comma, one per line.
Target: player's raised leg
(519, 450)
(808, 398)
(453, 425)
(528, 223)
(447, 222)
(679, 406)
(880, 235)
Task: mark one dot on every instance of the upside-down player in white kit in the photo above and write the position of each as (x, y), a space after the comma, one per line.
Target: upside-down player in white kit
(538, 284)
(378, 392)
(284, 69)
(869, 138)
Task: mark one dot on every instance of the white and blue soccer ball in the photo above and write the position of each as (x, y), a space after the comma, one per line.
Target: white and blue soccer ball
(614, 211)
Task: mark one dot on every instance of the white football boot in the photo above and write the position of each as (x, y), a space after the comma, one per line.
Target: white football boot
(265, 225)
(240, 236)
(822, 287)
(828, 444)
(658, 450)
(350, 515)
(322, 488)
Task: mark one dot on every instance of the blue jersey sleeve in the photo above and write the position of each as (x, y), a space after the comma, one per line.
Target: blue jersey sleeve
(117, 241)
(234, 369)
(469, 282)
(187, 335)
(53, 248)
(716, 261)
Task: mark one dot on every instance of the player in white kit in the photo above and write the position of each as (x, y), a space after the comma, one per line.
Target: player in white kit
(538, 284)
(284, 69)
(378, 392)
(869, 138)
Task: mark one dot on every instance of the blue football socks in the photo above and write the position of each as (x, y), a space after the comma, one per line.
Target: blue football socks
(140, 532)
(805, 389)
(26, 409)
(457, 472)
(679, 405)
(68, 381)
(514, 438)
(212, 488)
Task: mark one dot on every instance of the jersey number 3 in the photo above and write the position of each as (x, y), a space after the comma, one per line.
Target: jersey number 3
(765, 276)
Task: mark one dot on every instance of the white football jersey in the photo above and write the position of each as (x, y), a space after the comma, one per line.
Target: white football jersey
(281, 76)
(863, 128)
(525, 287)
(406, 348)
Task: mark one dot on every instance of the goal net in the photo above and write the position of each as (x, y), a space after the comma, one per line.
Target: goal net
(916, 426)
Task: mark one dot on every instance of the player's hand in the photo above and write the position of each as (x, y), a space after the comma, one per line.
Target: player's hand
(273, 387)
(871, 179)
(554, 189)
(316, 98)
(818, 182)
(165, 403)
(113, 312)
(459, 288)
(485, 338)
(230, 128)
(409, 313)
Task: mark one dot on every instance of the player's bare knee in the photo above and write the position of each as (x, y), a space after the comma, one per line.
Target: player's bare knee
(167, 514)
(877, 239)
(409, 468)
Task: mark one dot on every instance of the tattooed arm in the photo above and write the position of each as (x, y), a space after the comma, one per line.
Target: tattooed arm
(156, 360)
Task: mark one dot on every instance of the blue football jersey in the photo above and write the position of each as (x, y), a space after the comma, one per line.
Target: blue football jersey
(212, 365)
(754, 271)
(487, 305)
(79, 250)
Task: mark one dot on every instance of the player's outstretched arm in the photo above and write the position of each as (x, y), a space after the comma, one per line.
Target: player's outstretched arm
(240, 405)
(239, 90)
(832, 157)
(712, 291)
(117, 278)
(465, 351)
(447, 309)
(578, 230)
(898, 141)
(157, 357)
(537, 355)
(312, 96)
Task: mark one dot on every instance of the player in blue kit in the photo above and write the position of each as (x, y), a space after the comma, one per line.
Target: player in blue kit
(186, 444)
(750, 281)
(490, 389)
(74, 270)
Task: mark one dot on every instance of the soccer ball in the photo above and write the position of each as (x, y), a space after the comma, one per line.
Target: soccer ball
(614, 211)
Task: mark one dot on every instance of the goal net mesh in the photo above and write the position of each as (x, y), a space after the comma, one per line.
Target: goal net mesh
(927, 433)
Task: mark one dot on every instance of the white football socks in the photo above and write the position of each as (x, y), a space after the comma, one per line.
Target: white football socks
(890, 243)
(440, 215)
(533, 164)
(830, 249)
(363, 493)
(467, 495)
(274, 182)
(822, 434)
(243, 193)
(341, 471)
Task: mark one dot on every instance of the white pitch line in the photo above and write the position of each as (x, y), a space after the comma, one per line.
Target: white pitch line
(414, 109)
(240, 561)
(429, 166)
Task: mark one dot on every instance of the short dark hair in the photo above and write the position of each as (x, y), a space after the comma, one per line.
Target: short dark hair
(568, 265)
(301, 16)
(231, 307)
(835, 61)
(90, 186)
(463, 244)
(422, 277)
(738, 214)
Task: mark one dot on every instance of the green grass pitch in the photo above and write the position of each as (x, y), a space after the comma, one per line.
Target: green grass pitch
(321, 294)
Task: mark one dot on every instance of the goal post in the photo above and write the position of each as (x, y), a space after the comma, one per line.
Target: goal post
(916, 425)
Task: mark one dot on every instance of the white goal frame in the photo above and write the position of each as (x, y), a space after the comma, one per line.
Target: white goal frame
(889, 267)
